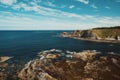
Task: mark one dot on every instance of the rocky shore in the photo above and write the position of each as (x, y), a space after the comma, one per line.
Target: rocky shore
(96, 40)
(3, 66)
(111, 35)
(66, 65)
(4, 58)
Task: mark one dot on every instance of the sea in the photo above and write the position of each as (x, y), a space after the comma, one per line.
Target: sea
(25, 45)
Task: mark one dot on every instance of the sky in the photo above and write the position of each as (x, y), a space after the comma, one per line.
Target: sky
(58, 14)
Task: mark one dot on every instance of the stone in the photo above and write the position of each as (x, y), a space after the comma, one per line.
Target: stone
(4, 58)
(82, 66)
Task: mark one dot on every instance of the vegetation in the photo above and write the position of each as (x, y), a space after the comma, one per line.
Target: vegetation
(102, 32)
(115, 27)
(110, 32)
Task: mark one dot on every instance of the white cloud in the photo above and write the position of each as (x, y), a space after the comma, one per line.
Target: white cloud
(107, 7)
(18, 21)
(45, 11)
(84, 1)
(37, 1)
(22, 5)
(8, 2)
(110, 21)
(50, 4)
(55, 19)
(71, 6)
(94, 6)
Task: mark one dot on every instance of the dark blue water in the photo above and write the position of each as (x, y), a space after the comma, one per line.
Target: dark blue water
(26, 44)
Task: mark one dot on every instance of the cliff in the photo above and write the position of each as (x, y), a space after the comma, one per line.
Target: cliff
(98, 33)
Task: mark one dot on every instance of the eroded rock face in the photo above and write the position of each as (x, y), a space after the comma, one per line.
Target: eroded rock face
(85, 34)
(86, 65)
(107, 34)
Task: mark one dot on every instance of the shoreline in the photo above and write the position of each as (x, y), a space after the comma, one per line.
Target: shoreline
(93, 40)
(53, 65)
(4, 58)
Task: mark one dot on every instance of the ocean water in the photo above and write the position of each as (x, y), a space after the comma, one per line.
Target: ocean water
(24, 45)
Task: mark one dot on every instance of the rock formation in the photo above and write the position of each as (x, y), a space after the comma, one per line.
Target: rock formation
(4, 58)
(86, 65)
(65, 34)
(3, 75)
(110, 34)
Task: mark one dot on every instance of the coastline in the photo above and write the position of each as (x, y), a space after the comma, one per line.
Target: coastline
(107, 35)
(60, 65)
(93, 40)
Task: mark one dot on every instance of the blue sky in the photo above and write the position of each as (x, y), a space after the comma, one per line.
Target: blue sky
(58, 14)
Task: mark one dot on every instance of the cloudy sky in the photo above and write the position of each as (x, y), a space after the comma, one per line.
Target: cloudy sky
(58, 14)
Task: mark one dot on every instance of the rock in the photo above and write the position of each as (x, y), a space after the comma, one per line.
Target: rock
(118, 38)
(4, 58)
(32, 71)
(65, 34)
(52, 56)
(115, 61)
(82, 66)
(76, 33)
(3, 76)
(98, 34)
(4, 65)
(88, 79)
(86, 55)
(110, 38)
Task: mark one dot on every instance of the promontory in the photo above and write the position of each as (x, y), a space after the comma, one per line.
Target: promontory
(103, 34)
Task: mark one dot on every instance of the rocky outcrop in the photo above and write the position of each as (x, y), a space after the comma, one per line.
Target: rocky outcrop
(33, 71)
(3, 74)
(65, 34)
(86, 55)
(4, 58)
(66, 65)
(110, 34)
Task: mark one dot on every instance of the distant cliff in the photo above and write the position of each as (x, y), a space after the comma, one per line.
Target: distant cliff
(110, 34)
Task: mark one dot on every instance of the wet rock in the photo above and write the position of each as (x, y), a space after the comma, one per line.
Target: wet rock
(3, 76)
(4, 58)
(65, 34)
(52, 56)
(86, 55)
(81, 66)
(32, 71)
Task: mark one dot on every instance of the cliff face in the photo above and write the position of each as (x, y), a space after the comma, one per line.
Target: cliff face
(98, 33)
